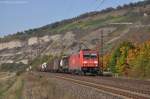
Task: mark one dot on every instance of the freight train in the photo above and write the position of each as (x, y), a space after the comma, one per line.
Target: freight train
(83, 62)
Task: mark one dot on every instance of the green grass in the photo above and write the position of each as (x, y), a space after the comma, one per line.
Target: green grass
(88, 24)
(19, 90)
(15, 91)
(12, 67)
(68, 27)
(5, 85)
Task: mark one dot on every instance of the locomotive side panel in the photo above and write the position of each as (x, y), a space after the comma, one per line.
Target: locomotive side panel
(74, 62)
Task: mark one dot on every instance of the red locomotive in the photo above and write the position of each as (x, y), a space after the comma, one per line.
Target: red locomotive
(86, 61)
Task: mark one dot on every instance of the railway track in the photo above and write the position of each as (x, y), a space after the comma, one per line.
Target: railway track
(137, 86)
(115, 91)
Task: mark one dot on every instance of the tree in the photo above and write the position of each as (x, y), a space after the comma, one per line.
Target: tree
(113, 60)
(119, 57)
(139, 59)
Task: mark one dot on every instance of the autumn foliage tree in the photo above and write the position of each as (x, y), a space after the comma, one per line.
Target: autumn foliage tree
(139, 59)
(106, 60)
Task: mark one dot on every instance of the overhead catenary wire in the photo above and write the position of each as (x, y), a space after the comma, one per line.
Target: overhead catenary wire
(100, 4)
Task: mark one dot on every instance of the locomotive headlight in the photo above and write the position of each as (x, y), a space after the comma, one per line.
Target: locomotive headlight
(84, 62)
(96, 62)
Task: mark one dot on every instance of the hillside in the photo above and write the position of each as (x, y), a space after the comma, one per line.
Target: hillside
(68, 36)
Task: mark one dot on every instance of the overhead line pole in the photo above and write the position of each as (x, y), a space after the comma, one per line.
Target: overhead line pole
(102, 42)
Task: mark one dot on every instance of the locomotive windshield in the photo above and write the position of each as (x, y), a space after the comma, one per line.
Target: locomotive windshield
(93, 55)
(86, 56)
(89, 55)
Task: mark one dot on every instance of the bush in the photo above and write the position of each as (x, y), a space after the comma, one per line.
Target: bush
(13, 67)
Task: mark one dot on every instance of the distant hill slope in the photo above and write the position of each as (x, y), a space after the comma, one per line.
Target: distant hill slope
(68, 36)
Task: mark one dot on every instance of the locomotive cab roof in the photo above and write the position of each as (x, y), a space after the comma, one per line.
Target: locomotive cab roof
(86, 50)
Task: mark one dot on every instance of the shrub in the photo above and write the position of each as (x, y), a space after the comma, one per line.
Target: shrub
(13, 67)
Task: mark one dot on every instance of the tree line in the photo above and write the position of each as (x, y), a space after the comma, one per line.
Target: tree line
(129, 59)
